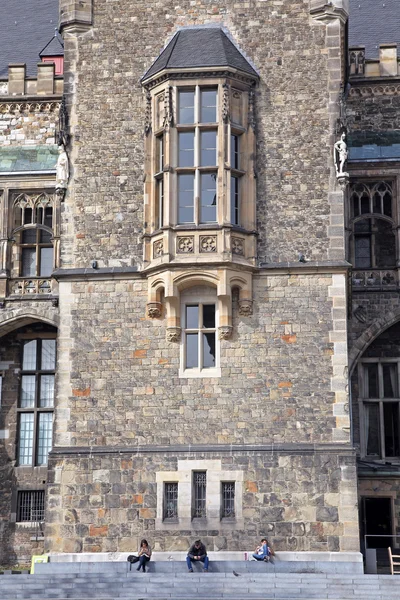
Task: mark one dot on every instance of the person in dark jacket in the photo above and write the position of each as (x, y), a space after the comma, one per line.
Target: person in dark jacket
(197, 552)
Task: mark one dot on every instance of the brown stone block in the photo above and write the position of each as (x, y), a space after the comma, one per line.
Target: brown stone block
(101, 531)
(147, 513)
(285, 384)
(140, 354)
(289, 339)
(138, 499)
(251, 486)
(81, 393)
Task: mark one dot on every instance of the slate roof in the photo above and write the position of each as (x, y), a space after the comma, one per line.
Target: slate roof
(196, 47)
(17, 159)
(26, 27)
(374, 22)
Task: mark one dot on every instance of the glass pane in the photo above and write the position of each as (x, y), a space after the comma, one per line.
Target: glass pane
(376, 203)
(29, 236)
(186, 198)
(208, 350)
(385, 245)
(29, 356)
(160, 154)
(48, 216)
(48, 355)
(192, 350)
(365, 208)
(208, 146)
(387, 204)
(28, 262)
(186, 107)
(192, 317)
(45, 435)
(28, 216)
(28, 385)
(208, 106)
(390, 380)
(46, 399)
(372, 390)
(362, 252)
(45, 236)
(235, 152)
(234, 201)
(186, 149)
(208, 207)
(209, 316)
(25, 438)
(356, 207)
(46, 262)
(391, 423)
(371, 413)
(159, 203)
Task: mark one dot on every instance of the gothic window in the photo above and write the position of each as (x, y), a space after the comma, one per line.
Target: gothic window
(36, 401)
(372, 214)
(32, 233)
(380, 401)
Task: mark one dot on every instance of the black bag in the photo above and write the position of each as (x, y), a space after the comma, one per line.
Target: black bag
(132, 558)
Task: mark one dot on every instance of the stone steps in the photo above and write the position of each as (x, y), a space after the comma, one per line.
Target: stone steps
(204, 586)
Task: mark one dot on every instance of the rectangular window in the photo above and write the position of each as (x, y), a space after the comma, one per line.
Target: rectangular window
(228, 499)
(208, 106)
(186, 149)
(28, 266)
(235, 152)
(208, 198)
(46, 262)
(36, 399)
(185, 107)
(208, 148)
(380, 408)
(170, 509)
(30, 506)
(199, 494)
(159, 216)
(185, 198)
(159, 154)
(200, 336)
(234, 200)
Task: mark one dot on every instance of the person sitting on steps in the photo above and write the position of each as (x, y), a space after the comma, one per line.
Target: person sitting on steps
(143, 556)
(197, 552)
(264, 552)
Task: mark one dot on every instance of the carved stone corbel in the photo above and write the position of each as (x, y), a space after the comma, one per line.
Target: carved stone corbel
(245, 307)
(173, 334)
(154, 310)
(147, 123)
(225, 332)
(225, 103)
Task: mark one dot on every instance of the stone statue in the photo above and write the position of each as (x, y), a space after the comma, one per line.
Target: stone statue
(340, 155)
(62, 169)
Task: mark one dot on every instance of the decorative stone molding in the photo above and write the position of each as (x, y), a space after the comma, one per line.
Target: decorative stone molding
(374, 90)
(225, 332)
(168, 112)
(32, 107)
(245, 307)
(326, 12)
(225, 103)
(147, 119)
(173, 334)
(238, 246)
(208, 243)
(252, 110)
(158, 248)
(185, 245)
(154, 310)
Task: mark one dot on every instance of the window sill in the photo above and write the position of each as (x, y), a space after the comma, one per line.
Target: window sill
(197, 374)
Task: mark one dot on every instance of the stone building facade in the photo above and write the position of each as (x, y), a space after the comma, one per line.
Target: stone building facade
(202, 296)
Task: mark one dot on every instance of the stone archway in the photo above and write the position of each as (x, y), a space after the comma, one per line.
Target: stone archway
(370, 334)
(19, 317)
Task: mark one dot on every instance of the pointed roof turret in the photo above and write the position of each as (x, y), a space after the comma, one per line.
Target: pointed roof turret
(197, 48)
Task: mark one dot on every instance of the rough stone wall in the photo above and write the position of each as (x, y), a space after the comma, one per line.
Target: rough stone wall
(27, 126)
(122, 374)
(107, 502)
(374, 107)
(104, 208)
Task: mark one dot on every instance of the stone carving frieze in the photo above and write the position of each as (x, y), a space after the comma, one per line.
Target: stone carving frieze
(366, 91)
(238, 246)
(185, 244)
(158, 248)
(28, 107)
(208, 243)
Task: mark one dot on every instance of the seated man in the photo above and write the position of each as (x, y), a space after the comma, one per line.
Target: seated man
(264, 552)
(197, 552)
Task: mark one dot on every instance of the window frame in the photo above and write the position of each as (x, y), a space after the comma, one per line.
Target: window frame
(175, 517)
(232, 515)
(40, 496)
(196, 499)
(380, 400)
(36, 410)
(200, 371)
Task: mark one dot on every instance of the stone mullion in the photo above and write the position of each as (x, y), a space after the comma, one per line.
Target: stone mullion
(222, 188)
